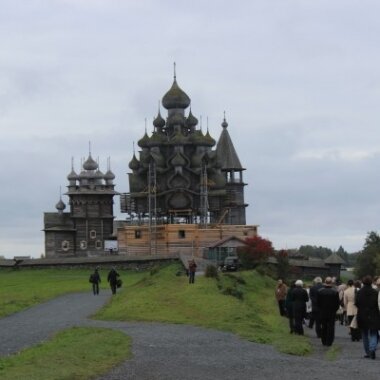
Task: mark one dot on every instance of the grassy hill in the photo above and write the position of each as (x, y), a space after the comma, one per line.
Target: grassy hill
(242, 303)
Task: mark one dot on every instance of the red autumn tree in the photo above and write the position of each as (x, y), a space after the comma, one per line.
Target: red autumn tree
(256, 251)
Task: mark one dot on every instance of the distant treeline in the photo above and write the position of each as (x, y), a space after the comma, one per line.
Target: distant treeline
(312, 251)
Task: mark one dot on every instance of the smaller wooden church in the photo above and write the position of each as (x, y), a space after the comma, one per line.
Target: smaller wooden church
(82, 230)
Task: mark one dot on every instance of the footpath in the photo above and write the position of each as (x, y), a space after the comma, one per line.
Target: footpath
(173, 352)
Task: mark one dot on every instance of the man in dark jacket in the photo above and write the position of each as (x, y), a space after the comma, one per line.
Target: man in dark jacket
(314, 307)
(328, 305)
(368, 316)
(112, 279)
(95, 280)
(299, 298)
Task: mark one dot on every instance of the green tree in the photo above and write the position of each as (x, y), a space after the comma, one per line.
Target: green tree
(283, 266)
(368, 260)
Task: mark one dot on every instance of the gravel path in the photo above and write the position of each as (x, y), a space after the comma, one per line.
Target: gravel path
(167, 352)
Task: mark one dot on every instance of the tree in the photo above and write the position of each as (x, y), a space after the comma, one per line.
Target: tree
(283, 266)
(314, 251)
(368, 260)
(342, 253)
(256, 251)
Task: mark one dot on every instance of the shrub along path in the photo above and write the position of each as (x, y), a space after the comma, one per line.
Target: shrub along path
(163, 351)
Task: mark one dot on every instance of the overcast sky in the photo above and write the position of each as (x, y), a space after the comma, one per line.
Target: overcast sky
(299, 81)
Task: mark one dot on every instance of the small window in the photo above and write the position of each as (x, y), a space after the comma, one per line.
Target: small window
(83, 244)
(98, 244)
(181, 234)
(92, 234)
(137, 234)
(65, 245)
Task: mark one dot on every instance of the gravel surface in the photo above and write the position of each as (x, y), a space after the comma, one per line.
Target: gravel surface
(165, 352)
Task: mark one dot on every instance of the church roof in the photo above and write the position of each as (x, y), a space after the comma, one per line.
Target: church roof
(226, 151)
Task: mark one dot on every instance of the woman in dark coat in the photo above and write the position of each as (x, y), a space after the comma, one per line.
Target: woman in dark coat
(299, 299)
(368, 316)
(289, 306)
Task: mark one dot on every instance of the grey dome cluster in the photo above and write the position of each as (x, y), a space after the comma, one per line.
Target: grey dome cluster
(90, 175)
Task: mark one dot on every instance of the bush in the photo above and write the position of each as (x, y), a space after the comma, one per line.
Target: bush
(266, 270)
(154, 270)
(232, 291)
(211, 271)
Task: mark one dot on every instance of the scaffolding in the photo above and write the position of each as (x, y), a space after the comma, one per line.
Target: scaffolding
(152, 207)
(203, 196)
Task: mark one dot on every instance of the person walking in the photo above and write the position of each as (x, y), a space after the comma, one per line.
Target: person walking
(112, 279)
(299, 299)
(368, 316)
(280, 294)
(349, 296)
(289, 306)
(328, 305)
(314, 319)
(192, 270)
(95, 280)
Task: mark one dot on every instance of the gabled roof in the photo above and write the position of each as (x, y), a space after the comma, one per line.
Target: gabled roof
(334, 258)
(225, 240)
(226, 152)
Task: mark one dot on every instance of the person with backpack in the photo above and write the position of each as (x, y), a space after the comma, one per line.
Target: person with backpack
(113, 279)
(95, 281)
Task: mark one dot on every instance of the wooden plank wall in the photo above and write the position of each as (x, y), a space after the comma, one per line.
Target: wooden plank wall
(174, 239)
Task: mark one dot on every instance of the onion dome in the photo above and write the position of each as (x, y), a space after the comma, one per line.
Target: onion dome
(224, 124)
(72, 176)
(156, 139)
(99, 176)
(60, 206)
(198, 138)
(209, 139)
(144, 141)
(90, 164)
(175, 97)
(134, 164)
(109, 175)
(159, 122)
(191, 120)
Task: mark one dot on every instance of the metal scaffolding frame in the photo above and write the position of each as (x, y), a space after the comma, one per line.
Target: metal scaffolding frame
(152, 207)
(204, 196)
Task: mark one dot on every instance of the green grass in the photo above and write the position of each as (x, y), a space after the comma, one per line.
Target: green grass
(251, 310)
(242, 303)
(23, 288)
(75, 354)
